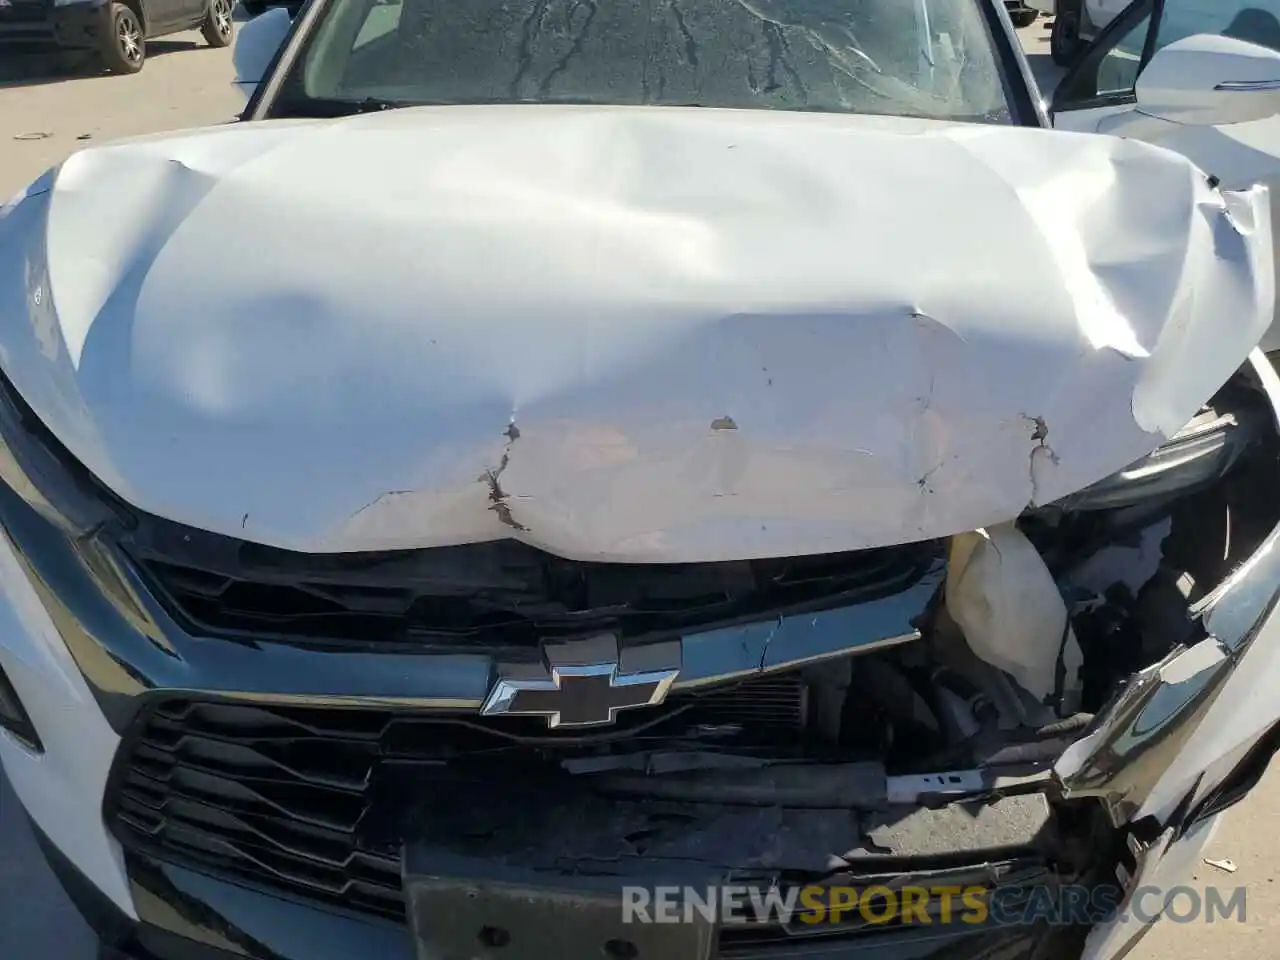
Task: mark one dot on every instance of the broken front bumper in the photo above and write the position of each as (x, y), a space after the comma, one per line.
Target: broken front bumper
(93, 658)
(1163, 748)
(184, 915)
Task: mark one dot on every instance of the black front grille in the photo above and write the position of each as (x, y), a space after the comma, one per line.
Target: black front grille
(495, 595)
(24, 11)
(274, 797)
(284, 798)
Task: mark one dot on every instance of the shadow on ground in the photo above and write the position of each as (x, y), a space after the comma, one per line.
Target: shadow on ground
(37, 69)
(45, 925)
(33, 69)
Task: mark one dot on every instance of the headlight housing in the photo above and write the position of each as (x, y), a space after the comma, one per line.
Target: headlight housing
(1196, 456)
(45, 474)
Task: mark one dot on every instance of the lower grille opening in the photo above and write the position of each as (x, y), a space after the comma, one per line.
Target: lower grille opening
(322, 804)
(285, 797)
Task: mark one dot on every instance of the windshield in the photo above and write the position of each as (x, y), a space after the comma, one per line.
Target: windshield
(923, 58)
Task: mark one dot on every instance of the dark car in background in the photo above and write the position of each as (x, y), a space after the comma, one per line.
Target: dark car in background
(114, 33)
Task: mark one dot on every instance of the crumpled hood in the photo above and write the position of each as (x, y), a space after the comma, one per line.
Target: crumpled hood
(628, 334)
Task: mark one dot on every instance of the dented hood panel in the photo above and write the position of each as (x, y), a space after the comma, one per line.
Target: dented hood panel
(627, 334)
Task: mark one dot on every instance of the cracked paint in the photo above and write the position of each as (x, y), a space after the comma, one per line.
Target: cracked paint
(882, 404)
(1043, 458)
(764, 647)
(498, 500)
(378, 501)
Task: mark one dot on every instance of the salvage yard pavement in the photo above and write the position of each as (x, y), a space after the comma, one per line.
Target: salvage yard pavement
(44, 116)
(186, 84)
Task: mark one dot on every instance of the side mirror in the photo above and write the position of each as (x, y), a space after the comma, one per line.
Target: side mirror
(1209, 80)
(256, 46)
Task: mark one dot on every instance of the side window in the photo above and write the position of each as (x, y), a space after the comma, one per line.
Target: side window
(383, 19)
(1257, 21)
(1119, 67)
(1109, 68)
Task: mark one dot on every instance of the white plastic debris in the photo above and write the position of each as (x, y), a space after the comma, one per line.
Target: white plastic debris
(1227, 866)
(1004, 599)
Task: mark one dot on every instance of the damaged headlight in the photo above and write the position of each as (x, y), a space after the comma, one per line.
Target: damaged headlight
(1196, 456)
(44, 474)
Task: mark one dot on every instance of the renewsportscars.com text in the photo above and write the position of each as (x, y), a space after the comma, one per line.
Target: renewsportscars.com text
(1064, 905)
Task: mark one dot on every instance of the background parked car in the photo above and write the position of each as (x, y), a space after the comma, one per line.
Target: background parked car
(116, 31)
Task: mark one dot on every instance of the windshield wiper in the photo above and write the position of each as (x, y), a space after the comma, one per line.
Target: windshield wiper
(374, 105)
(329, 109)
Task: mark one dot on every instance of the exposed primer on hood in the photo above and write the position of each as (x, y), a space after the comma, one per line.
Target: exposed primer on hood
(628, 334)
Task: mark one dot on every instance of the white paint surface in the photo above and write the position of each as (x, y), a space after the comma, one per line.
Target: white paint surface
(62, 788)
(718, 334)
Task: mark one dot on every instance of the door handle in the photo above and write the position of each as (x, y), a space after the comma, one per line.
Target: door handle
(1248, 86)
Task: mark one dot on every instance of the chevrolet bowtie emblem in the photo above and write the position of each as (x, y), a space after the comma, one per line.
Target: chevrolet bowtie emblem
(585, 683)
